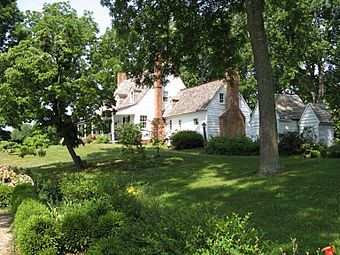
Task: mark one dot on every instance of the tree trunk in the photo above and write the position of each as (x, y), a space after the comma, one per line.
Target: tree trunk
(76, 159)
(269, 155)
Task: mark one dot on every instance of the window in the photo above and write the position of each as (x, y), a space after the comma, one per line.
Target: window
(180, 124)
(126, 119)
(221, 98)
(165, 96)
(142, 120)
(170, 125)
(196, 121)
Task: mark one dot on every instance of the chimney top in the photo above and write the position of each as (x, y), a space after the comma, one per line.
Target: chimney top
(121, 76)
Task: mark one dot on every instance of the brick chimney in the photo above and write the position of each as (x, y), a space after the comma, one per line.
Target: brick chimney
(121, 77)
(157, 76)
(232, 121)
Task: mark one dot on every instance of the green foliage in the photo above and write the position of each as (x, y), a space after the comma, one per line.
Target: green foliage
(78, 187)
(130, 136)
(36, 230)
(22, 192)
(231, 235)
(241, 146)
(331, 152)
(110, 224)
(5, 195)
(111, 245)
(291, 143)
(77, 230)
(18, 135)
(186, 139)
(4, 135)
(102, 139)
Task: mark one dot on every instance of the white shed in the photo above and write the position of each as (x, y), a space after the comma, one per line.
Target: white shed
(316, 122)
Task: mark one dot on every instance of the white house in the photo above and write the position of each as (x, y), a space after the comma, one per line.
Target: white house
(136, 104)
(292, 115)
(317, 123)
(196, 107)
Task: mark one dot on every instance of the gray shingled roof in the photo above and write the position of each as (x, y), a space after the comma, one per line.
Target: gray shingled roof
(193, 99)
(289, 106)
(322, 113)
(123, 90)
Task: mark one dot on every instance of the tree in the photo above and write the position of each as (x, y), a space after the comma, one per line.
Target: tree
(10, 17)
(47, 78)
(265, 83)
(195, 36)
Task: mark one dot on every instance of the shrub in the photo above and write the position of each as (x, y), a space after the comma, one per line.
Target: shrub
(232, 235)
(187, 139)
(111, 245)
(78, 187)
(240, 145)
(88, 139)
(5, 195)
(291, 143)
(130, 136)
(38, 236)
(110, 224)
(20, 193)
(102, 139)
(331, 152)
(77, 230)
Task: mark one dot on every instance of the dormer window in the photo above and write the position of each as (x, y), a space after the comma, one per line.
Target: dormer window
(221, 98)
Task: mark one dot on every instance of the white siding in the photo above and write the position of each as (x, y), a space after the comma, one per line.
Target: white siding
(187, 122)
(287, 126)
(216, 109)
(309, 119)
(326, 133)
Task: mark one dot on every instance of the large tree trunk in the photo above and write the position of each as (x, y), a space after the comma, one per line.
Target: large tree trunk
(265, 83)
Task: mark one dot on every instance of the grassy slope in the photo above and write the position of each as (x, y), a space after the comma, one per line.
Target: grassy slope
(302, 202)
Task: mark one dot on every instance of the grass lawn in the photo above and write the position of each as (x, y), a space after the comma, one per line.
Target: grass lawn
(301, 202)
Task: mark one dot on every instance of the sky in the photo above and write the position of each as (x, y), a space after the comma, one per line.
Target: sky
(100, 13)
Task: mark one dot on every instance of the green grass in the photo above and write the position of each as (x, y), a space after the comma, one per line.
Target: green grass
(301, 202)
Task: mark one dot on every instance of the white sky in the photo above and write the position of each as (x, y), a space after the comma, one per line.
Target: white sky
(100, 13)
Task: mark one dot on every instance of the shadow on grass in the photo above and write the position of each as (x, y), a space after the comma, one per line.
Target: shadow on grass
(302, 202)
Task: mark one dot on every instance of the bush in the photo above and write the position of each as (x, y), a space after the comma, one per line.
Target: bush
(291, 143)
(130, 136)
(5, 195)
(331, 152)
(38, 236)
(77, 230)
(110, 224)
(240, 146)
(187, 139)
(111, 245)
(20, 193)
(102, 139)
(78, 187)
(231, 235)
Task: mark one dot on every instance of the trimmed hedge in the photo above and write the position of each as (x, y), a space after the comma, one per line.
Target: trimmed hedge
(5, 195)
(237, 146)
(22, 192)
(35, 229)
(186, 139)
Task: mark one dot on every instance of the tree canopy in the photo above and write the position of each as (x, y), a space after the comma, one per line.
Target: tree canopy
(47, 77)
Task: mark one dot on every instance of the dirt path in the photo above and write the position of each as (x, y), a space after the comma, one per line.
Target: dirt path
(6, 247)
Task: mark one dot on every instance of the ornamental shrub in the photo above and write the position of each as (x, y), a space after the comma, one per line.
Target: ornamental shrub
(22, 192)
(238, 146)
(130, 136)
(102, 139)
(39, 235)
(291, 143)
(5, 195)
(110, 224)
(111, 245)
(331, 152)
(186, 139)
(77, 230)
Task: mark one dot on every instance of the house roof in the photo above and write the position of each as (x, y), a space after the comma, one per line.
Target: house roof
(289, 106)
(124, 89)
(321, 113)
(193, 99)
